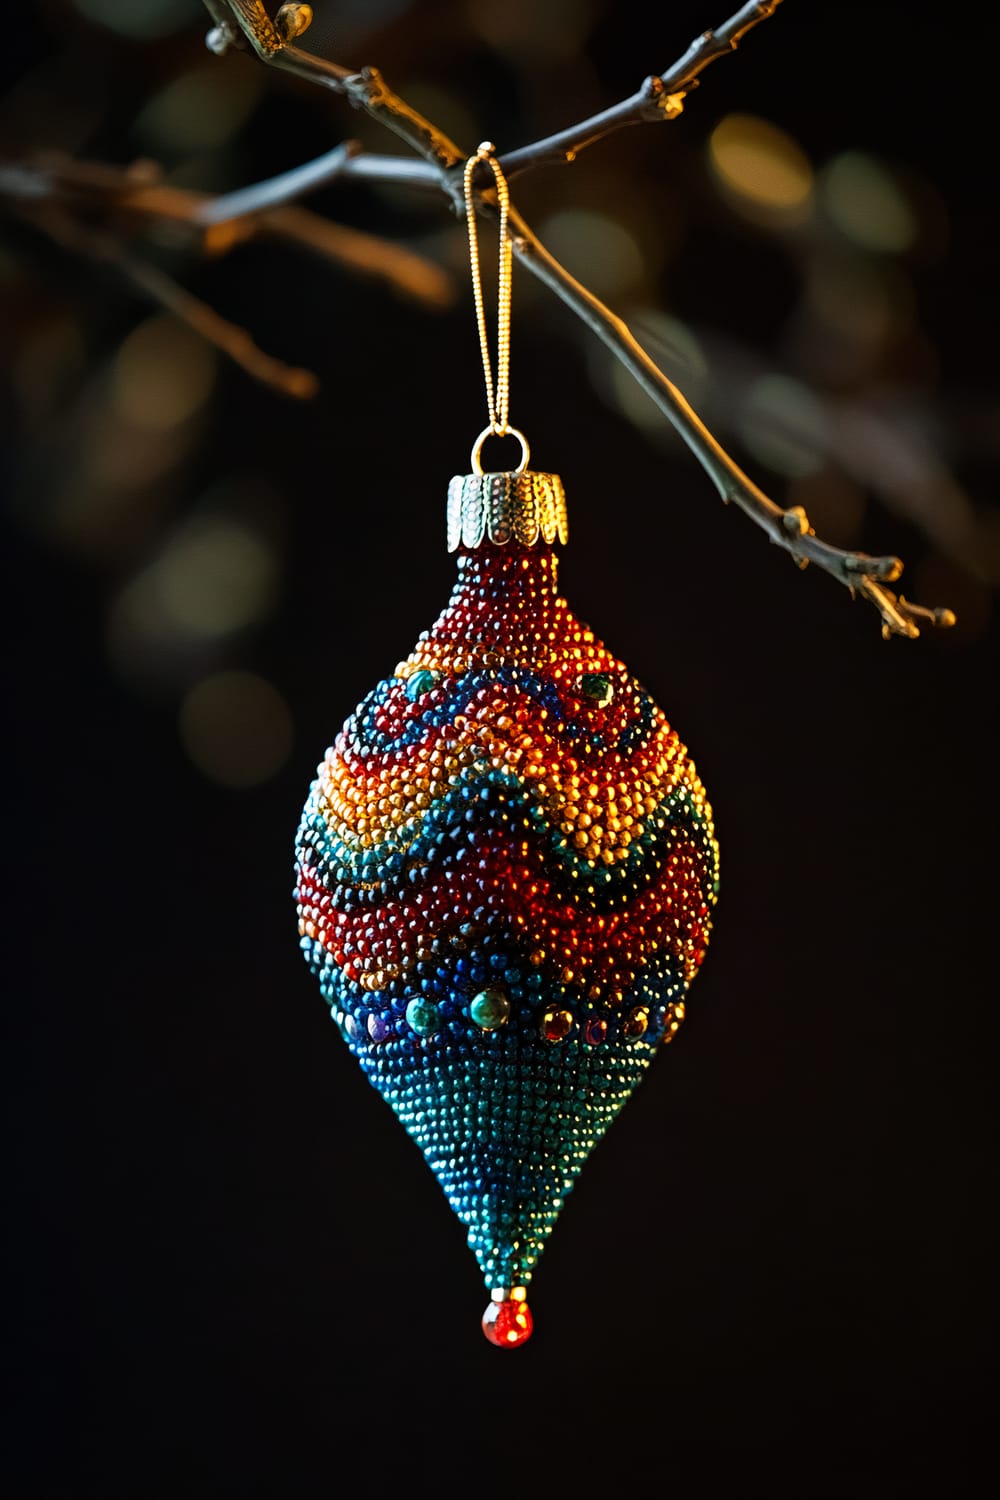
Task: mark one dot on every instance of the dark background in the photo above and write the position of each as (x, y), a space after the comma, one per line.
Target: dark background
(232, 1274)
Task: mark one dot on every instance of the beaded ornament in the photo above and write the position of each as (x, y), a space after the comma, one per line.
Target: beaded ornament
(506, 868)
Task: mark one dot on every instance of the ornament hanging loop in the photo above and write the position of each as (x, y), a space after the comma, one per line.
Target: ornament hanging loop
(498, 391)
(492, 431)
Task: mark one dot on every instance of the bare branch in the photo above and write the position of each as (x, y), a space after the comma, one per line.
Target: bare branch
(789, 529)
(229, 337)
(713, 44)
(235, 217)
(155, 284)
(657, 99)
(282, 189)
(365, 254)
(661, 96)
(366, 89)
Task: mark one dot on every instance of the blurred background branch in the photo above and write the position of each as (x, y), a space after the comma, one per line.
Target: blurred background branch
(51, 194)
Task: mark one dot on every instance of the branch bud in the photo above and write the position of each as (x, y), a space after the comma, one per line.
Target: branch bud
(220, 39)
(292, 20)
(795, 521)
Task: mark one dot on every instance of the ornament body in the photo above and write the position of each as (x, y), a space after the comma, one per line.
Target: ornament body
(506, 868)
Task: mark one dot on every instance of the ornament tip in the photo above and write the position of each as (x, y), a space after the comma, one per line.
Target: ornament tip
(507, 1321)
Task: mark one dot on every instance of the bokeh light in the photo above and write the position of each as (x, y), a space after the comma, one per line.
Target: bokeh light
(596, 248)
(236, 727)
(783, 424)
(215, 575)
(100, 487)
(163, 373)
(764, 172)
(523, 27)
(867, 204)
(142, 20)
(200, 110)
(853, 309)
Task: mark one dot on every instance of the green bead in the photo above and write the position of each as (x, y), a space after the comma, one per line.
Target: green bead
(598, 686)
(490, 1009)
(424, 1017)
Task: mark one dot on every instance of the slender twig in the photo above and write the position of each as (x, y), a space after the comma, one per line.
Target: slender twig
(155, 284)
(365, 254)
(369, 91)
(229, 337)
(660, 97)
(789, 529)
(365, 88)
(285, 188)
(237, 216)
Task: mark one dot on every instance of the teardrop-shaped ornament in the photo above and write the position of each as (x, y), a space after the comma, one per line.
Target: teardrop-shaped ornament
(506, 873)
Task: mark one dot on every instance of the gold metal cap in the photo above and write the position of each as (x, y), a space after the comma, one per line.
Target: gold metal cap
(522, 507)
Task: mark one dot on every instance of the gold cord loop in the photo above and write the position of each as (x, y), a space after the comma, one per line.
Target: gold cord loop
(498, 394)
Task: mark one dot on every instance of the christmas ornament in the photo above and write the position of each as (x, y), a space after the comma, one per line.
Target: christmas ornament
(506, 869)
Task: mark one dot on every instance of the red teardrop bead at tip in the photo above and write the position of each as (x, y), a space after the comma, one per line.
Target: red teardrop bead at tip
(508, 1324)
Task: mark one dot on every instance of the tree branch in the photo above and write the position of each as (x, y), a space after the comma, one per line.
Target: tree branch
(155, 284)
(369, 255)
(661, 96)
(285, 188)
(790, 528)
(365, 89)
(263, 208)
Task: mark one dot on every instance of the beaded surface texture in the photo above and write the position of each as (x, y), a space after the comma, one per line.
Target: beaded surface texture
(506, 870)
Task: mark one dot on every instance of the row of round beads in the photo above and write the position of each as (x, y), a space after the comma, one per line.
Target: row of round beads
(490, 1010)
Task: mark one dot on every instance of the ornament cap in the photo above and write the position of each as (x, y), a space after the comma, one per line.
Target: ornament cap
(525, 507)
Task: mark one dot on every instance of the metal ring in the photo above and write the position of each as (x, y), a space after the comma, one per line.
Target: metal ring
(491, 431)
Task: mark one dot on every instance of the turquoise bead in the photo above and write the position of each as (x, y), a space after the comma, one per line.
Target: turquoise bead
(423, 1016)
(420, 683)
(490, 1009)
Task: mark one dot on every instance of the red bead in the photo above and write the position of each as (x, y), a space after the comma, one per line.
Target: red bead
(508, 1324)
(556, 1024)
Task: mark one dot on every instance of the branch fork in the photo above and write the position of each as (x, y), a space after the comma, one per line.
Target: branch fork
(661, 97)
(439, 167)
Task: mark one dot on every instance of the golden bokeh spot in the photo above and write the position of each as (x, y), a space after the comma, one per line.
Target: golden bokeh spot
(763, 170)
(162, 374)
(236, 727)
